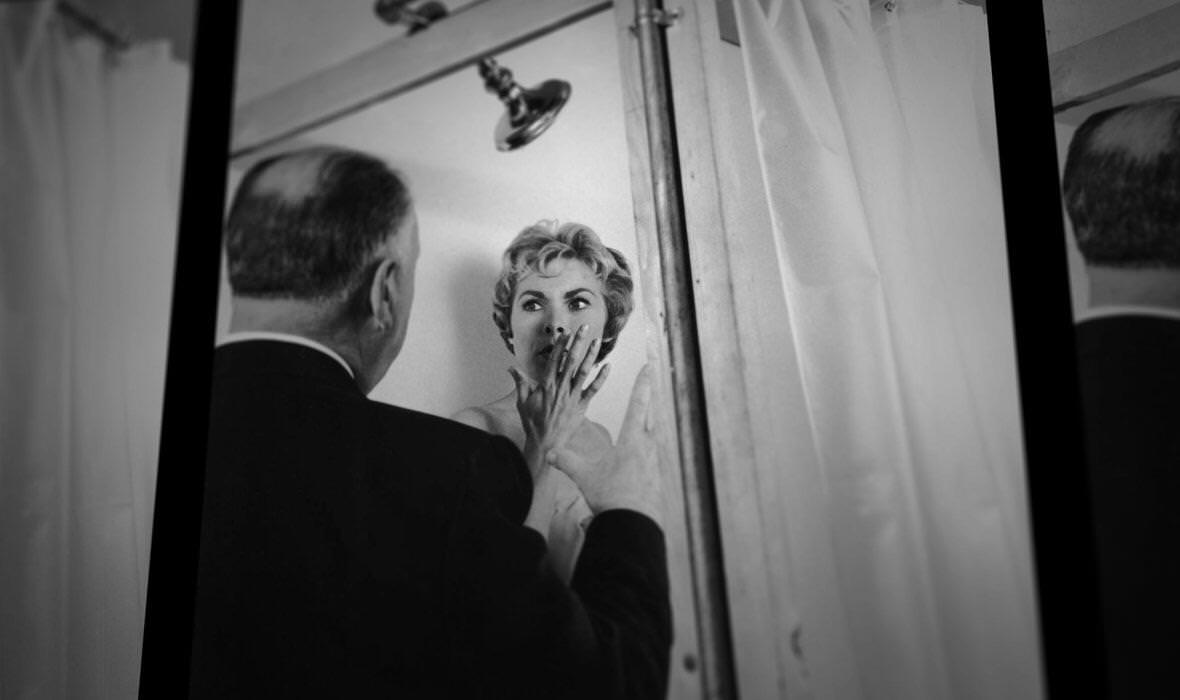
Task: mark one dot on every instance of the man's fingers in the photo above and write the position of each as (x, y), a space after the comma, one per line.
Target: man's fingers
(596, 384)
(567, 461)
(636, 420)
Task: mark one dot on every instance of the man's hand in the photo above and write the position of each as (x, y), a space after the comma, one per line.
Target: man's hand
(627, 475)
(552, 409)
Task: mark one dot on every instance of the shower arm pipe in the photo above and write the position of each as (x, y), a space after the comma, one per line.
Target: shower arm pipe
(683, 345)
(398, 66)
(1123, 57)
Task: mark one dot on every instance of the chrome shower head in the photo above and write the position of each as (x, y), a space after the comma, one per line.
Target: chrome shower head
(528, 113)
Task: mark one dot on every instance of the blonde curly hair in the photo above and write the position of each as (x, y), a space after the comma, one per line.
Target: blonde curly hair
(536, 247)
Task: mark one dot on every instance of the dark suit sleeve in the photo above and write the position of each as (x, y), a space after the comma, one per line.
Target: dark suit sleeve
(500, 472)
(622, 580)
(520, 632)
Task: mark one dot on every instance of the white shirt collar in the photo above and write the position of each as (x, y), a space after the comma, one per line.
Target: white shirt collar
(242, 336)
(1127, 310)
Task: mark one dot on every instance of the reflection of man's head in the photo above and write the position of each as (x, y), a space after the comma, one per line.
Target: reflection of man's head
(555, 279)
(1122, 186)
(323, 241)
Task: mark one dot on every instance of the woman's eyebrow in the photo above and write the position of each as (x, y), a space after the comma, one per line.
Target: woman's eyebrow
(579, 290)
(531, 293)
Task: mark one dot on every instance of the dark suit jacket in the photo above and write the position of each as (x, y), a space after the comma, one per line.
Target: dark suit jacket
(1129, 368)
(350, 548)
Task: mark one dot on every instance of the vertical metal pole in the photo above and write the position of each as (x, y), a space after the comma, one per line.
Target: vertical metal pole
(704, 536)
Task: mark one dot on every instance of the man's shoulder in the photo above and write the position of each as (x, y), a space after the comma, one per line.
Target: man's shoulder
(424, 424)
(490, 464)
(1116, 338)
(443, 438)
(1129, 378)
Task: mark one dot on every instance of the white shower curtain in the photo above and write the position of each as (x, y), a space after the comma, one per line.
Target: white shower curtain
(90, 154)
(875, 128)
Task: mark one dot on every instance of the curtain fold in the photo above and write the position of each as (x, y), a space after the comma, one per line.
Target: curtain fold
(90, 156)
(875, 130)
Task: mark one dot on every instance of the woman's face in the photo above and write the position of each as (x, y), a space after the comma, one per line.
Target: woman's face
(544, 306)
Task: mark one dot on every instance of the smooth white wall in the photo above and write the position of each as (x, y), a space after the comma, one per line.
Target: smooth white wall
(471, 200)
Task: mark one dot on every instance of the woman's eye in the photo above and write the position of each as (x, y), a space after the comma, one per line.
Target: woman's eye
(531, 305)
(578, 304)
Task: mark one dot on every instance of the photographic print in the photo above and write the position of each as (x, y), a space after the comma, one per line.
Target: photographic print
(562, 348)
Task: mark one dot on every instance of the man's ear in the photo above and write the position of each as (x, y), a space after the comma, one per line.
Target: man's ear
(383, 293)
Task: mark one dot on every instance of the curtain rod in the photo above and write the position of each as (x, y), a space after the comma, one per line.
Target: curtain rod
(88, 23)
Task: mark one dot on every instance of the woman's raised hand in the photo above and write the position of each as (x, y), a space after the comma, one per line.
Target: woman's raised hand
(552, 409)
(628, 474)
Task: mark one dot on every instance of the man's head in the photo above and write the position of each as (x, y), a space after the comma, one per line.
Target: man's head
(1122, 189)
(322, 242)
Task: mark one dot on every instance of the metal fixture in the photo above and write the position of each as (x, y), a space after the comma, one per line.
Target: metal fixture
(528, 112)
(398, 12)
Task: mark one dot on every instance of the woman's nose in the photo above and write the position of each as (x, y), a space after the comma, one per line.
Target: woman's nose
(556, 324)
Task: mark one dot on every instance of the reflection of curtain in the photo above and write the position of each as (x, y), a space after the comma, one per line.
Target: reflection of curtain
(876, 137)
(90, 161)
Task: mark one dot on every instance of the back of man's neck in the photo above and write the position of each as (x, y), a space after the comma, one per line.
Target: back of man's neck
(1137, 287)
(293, 317)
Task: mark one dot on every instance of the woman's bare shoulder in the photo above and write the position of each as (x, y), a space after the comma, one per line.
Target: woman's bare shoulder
(490, 417)
(475, 416)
